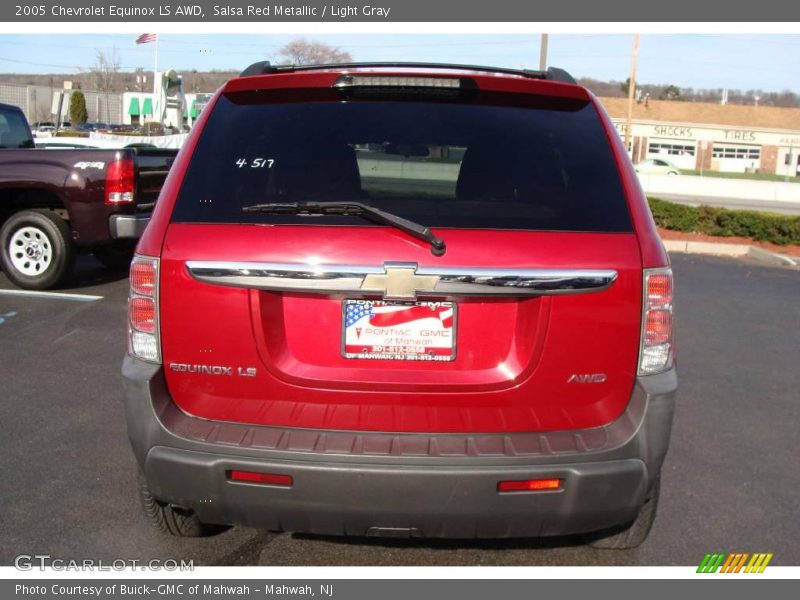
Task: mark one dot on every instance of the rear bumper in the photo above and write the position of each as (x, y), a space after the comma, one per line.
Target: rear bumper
(125, 227)
(400, 484)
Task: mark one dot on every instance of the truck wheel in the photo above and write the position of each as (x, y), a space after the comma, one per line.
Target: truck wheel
(115, 256)
(171, 519)
(633, 534)
(36, 251)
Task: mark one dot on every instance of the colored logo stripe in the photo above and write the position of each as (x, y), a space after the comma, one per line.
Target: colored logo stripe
(758, 563)
(733, 563)
(711, 563)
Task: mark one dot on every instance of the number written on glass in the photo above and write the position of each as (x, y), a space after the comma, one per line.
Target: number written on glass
(255, 163)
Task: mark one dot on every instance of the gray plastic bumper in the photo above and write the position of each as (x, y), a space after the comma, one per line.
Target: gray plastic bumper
(360, 483)
(124, 227)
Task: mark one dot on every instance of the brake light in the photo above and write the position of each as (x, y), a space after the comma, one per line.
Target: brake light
(143, 314)
(120, 181)
(388, 81)
(529, 485)
(656, 353)
(143, 330)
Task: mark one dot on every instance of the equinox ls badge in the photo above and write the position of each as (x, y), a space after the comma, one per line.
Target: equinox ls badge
(587, 378)
(212, 369)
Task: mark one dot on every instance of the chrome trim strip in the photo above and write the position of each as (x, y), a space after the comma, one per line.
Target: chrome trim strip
(452, 281)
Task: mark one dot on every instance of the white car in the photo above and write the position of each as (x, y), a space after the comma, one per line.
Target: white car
(44, 131)
(657, 166)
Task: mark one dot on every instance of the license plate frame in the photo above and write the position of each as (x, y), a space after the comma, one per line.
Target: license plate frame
(399, 351)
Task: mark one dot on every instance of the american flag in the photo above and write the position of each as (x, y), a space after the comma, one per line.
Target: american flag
(146, 38)
(355, 312)
(389, 316)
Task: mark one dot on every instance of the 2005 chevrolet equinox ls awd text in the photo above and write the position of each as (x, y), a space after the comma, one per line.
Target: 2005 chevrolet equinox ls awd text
(402, 300)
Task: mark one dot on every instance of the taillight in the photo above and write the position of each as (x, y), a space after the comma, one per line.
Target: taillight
(143, 337)
(143, 278)
(656, 353)
(120, 180)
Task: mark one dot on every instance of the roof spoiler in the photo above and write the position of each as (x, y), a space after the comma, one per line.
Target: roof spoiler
(264, 67)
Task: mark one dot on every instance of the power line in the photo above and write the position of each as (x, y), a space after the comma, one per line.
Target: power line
(37, 64)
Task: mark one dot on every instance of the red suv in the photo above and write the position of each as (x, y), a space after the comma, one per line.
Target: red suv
(402, 300)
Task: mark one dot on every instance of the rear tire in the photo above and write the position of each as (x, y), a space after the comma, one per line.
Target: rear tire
(172, 520)
(36, 250)
(633, 534)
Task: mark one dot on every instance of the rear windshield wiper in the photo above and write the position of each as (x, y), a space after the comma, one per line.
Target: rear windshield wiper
(357, 209)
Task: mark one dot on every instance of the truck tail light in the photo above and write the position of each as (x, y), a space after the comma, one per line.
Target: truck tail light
(656, 350)
(143, 330)
(120, 179)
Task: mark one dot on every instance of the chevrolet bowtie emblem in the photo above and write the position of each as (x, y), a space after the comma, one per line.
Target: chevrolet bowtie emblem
(400, 282)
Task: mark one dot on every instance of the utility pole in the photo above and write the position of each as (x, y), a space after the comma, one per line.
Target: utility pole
(631, 88)
(543, 52)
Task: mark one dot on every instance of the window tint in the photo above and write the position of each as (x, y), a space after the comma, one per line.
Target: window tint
(487, 162)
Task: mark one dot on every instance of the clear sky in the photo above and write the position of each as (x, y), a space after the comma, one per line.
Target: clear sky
(735, 61)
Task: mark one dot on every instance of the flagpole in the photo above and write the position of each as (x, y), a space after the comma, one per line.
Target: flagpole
(155, 69)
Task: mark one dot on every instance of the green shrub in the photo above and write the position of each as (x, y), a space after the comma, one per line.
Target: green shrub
(711, 220)
(676, 217)
(77, 108)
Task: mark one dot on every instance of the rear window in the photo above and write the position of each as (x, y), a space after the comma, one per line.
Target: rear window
(492, 161)
(14, 132)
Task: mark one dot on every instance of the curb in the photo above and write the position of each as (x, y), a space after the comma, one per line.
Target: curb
(732, 250)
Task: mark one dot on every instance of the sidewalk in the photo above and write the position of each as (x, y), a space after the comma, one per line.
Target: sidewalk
(736, 247)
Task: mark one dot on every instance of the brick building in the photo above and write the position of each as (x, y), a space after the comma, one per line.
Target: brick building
(694, 135)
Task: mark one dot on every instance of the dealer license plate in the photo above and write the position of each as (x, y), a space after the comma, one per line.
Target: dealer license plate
(380, 330)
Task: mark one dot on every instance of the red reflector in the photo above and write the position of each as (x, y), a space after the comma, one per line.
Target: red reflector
(143, 314)
(143, 278)
(265, 478)
(529, 485)
(120, 181)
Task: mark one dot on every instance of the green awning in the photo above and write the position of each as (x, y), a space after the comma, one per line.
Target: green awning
(194, 109)
(133, 110)
(147, 109)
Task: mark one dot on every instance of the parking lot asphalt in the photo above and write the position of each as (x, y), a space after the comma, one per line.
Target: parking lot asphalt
(730, 482)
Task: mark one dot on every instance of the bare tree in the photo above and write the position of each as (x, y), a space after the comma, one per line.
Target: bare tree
(303, 52)
(105, 72)
(671, 92)
(43, 113)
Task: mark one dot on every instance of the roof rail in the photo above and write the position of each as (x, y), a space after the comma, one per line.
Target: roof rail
(264, 67)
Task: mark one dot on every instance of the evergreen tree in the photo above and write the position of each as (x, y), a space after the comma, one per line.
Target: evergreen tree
(77, 108)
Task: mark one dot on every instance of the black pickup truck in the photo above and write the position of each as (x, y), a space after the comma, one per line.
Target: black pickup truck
(56, 203)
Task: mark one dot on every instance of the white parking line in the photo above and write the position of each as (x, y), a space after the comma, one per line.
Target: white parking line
(51, 295)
